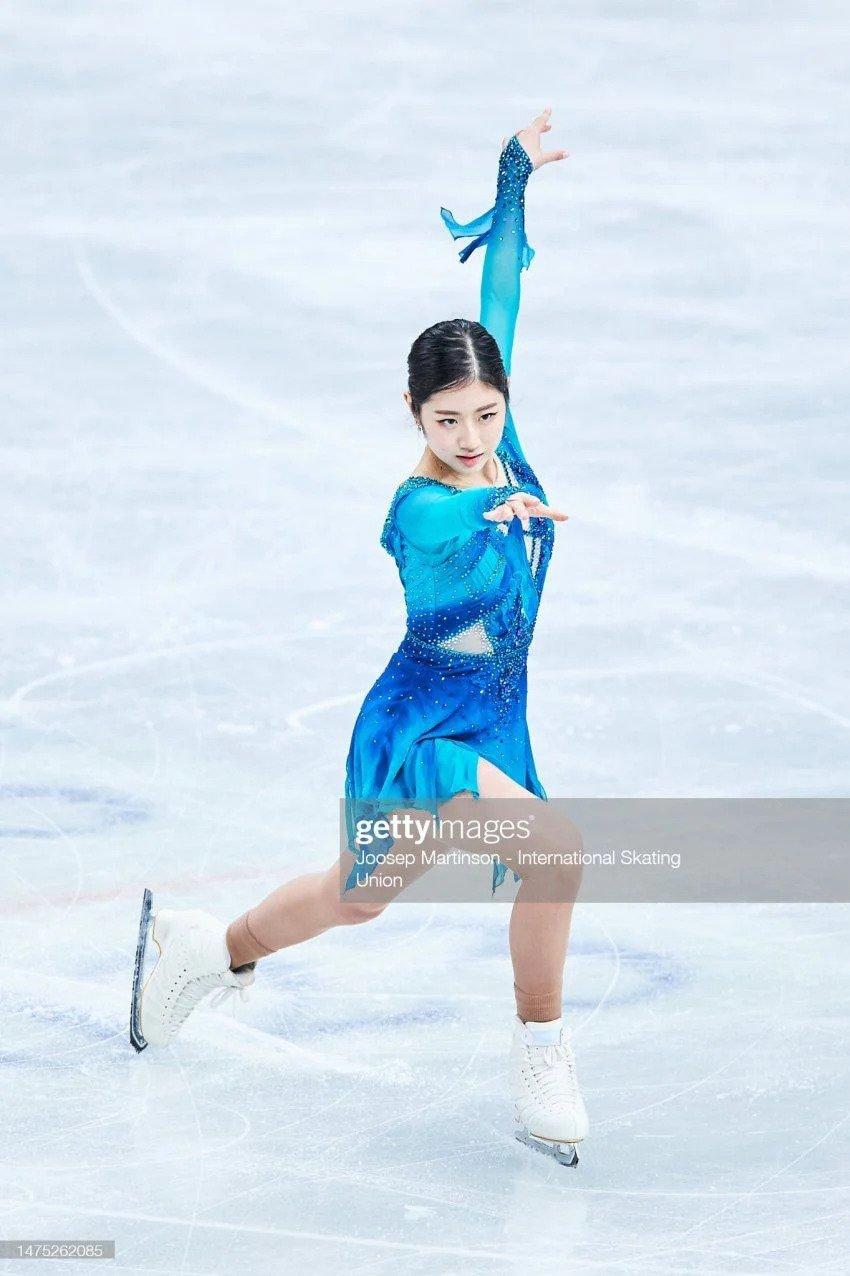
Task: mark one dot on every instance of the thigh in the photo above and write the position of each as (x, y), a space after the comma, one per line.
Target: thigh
(495, 783)
(389, 878)
(552, 829)
(492, 783)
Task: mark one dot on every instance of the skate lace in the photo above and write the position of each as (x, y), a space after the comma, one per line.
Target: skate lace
(232, 994)
(197, 988)
(554, 1073)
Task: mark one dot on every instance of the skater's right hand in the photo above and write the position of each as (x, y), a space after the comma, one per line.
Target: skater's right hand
(523, 505)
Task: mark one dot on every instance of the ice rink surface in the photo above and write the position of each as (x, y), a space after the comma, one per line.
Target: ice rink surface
(220, 235)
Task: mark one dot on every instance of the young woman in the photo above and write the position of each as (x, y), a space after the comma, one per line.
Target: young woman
(472, 535)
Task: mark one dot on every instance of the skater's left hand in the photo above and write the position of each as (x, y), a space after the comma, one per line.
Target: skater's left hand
(529, 140)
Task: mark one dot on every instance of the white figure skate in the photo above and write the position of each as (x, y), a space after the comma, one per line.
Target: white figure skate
(550, 1111)
(193, 961)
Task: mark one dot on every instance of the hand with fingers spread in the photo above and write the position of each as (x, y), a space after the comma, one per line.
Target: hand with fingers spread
(529, 140)
(523, 505)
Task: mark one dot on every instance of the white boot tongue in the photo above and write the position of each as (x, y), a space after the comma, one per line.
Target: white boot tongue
(545, 1034)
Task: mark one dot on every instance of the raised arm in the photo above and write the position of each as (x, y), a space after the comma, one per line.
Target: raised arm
(502, 229)
(508, 252)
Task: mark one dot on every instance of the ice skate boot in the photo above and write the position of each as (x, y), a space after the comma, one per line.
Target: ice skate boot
(550, 1112)
(193, 961)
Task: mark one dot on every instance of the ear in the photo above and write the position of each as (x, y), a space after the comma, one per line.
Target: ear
(409, 401)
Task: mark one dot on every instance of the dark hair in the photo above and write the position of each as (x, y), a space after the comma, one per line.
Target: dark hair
(450, 354)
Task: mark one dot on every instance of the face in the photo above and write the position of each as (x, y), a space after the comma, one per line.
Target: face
(463, 427)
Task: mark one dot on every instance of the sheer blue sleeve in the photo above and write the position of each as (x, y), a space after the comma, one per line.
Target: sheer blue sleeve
(508, 252)
(431, 516)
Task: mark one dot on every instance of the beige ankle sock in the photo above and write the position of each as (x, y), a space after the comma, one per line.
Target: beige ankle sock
(539, 1007)
(242, 943)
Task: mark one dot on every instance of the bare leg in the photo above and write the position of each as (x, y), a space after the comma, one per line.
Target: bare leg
(298, 910)
(539, 931)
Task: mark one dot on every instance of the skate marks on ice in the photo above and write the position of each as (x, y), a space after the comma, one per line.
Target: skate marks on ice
(65, 810)
(414, 1136)
(19, 703)
(42, 1011)
(200, 373)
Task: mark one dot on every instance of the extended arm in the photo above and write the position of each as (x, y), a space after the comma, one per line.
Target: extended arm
(508, 252)
(430, 517)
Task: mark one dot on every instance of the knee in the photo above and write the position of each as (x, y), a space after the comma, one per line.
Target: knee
(554, 831)
(572, 839)
(352, 913)
(558, 871)
(346, 909)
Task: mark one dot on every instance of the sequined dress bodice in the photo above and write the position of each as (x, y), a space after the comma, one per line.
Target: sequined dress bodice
(473, 599)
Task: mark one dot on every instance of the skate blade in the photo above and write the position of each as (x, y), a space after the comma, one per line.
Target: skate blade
(136, 1039)
(563, 1153)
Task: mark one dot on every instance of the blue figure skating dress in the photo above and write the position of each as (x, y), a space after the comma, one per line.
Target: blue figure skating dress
(456, 687)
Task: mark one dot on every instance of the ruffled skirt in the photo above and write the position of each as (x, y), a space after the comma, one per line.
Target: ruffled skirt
(421, 730)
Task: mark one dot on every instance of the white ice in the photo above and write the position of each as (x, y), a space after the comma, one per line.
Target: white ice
(220, 235)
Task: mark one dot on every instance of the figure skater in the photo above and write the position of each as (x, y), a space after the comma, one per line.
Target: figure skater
(472, 535)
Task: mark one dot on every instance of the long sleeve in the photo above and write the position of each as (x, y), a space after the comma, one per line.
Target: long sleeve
(431, 516)
(508, 252)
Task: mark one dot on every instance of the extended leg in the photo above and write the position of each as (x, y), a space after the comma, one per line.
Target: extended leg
(298, 910)
(305, 907)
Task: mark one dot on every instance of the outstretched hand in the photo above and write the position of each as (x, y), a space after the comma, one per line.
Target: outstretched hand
(529, 140)
(523, 505)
